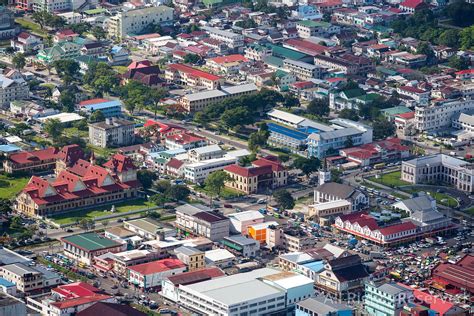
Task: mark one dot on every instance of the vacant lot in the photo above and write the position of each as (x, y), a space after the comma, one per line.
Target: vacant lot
(10, 186)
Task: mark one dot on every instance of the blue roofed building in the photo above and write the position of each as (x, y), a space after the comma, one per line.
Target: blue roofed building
(292, 139)
(112, 108)
(8, 149)
(7, 287)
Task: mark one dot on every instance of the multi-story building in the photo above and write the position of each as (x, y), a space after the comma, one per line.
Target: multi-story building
(148, 228)
(112, 132)
(348, 64)
(26, 43)
(257, 52)
(332, 191)
(240, 221)
(202, 221)
(243, 246)
(290, 239)
(310, 28)
(464, 121)
(205, 153)
(386, 299)
(52, 6)
(195, 102)
(265, 174)
(193, 258)
(61, 50)
(197, 172)
(440, 115)
(122, 260)
(184, 74)
(329, 209)
(349, 132)
(81, 185)
(420, 96)
(84, 247)
(28, 279)
(259, 292)
(12, 89)
(149, 275)
(231, 39)
(259, 232)
(322, 306)
(302, 70)
(342, 276)
(135, 21)
(31, 161)
(439, 168)
(109, 108)
(227, 64)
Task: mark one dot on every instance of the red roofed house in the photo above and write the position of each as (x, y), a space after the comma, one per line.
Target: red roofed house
(365, 226)
(412, 5)
(42, 160)
(265, 173)
(184, 141)
(227, 64)
(465, 74)
(404, 119)
(149, 275)
(174, 167)
(79, 184)
(184, 74)
(455, 278)
(65, 35)
(27, 43)
(162, 130)
(148, 75)
(420, 96)
(139, 64)
(67, 300)
(389, 149)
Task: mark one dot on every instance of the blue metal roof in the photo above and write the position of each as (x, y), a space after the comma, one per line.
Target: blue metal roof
(9, 148)
(292, 133)
(103, 105)
(315, 266)
(6, 283)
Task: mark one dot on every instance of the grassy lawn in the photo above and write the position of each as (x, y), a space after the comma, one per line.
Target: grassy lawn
(122, 207)
(441, 198)
(32, 26)
(104, 152)
(73, 131)
(226, 193)
(391, 179)
(120, 69)
(10, 186)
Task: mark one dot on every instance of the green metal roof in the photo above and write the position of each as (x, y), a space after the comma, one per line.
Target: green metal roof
(95, 11)
(386, 71)
(353, 93)
(368, 97)
(396, 110)
(310, 23)
(274, 61)
(282, 52)
(231, 245)
(90, 241)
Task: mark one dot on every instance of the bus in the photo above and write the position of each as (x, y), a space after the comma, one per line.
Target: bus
(379, 165)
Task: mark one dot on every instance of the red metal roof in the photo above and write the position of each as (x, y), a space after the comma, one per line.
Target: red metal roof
(193, 71)
(119, 163)
(38, 155)
(93, 101)
(412, 89)
(174, 163)
(390, 230)
(228, 59)
(306, 46)
(74, 290)
(185, 138)
(196, 276)
(157, 266)
(80, 301)
(411, 3)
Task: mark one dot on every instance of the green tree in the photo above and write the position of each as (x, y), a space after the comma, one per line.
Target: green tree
(236, 116)
(461, 13)
(349, 114)
(162, 186)
(134, 94)
(425, 49)
(467, 38)
(284, 199)
(319, 107)
(449, 37)
(19, 61)
(16, 223)
(67, 69)
(54, 128)
(154, 97)
(458, 63)
(215, 182)
(80, 28)
(290, 101)
(177, 193)
(40, 17)
(383, 128)
(81, 125)
(336, 175)
(67, 100)
(191, 58)
(146, 178)
(246, 24)
(102, 78)
(5, 205)
(98, 32)
(306, 165)
(96, 116)
(257, 140)
(158, 199)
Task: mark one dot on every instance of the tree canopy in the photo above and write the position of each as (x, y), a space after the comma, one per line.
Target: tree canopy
(284, 199)
(54, 128)
(319, 107)
(215, 182)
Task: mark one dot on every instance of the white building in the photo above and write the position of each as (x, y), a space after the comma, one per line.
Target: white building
(112, 132)
(243, 246)
(71, 17)
(233, 40)
(197, 172)
(302, 70)
(52, 6)
(439, 168)
(200, 220)
(135, 21)
(12, 89)
(149, 275)
(332, 191)
(441, 115)
(259, 292)
(239, 222)
(221, 258)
